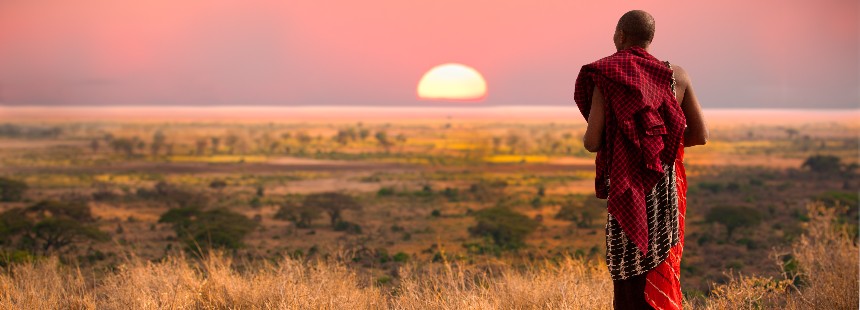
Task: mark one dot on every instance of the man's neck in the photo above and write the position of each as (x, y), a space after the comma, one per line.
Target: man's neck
(629, 46)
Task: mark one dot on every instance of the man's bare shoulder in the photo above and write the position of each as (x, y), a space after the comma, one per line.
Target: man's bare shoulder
(681, 76)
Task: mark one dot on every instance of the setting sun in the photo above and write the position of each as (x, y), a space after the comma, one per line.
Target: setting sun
(452, 82)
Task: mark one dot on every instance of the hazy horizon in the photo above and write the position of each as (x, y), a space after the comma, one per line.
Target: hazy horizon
(341, 113)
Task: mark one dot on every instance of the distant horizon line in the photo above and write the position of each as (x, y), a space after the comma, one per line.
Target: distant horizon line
(351, 113)
(433, 106)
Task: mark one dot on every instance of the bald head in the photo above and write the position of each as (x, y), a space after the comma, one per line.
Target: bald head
(637, 26)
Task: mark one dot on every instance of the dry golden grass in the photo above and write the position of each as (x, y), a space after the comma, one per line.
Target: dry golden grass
(827, 260)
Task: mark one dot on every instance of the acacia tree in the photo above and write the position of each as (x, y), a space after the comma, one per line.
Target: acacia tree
(231, 141)
(497, 143)
(513, 141)
(333, 203)
(302, 216)
(733, 217)
(216, 143)
(384, 141)
(94, 145)
(158, 142)
(124, 145)
(49, 226)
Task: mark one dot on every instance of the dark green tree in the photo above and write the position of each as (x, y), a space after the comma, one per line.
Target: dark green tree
(298, 214)
(363, 133)
(733, 217)
(205, 229)
(823, 164)
(333, 203)
(12, 190)
(173, 195)
(124, 145)
(49, 226)
(94, 145)
(383, 139)
(506, 227)
(158, 142)
(569, 211)
(217, 185)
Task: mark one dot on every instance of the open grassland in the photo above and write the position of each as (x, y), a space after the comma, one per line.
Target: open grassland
(416, 224)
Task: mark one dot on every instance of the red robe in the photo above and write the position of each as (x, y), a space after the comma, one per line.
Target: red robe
(644, 127)
(663, 283)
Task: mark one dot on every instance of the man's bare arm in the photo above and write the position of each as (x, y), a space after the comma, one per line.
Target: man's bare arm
(594, 132)
(697, 131)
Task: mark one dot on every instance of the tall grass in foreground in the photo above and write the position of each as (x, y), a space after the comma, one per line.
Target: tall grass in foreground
(826, 278)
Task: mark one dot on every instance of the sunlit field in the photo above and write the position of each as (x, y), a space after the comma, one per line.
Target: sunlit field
(433, 208)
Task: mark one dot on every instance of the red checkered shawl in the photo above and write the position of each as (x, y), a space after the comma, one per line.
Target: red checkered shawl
(644, 126)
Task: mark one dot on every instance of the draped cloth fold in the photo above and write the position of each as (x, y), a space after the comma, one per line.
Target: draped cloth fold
(663, 283)
(659, 287)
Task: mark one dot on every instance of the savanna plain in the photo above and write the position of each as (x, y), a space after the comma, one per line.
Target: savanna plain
(403, 213)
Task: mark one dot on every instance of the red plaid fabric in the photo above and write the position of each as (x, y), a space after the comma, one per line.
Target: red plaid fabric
(644, 126)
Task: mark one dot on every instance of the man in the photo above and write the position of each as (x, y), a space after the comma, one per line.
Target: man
(641, 113)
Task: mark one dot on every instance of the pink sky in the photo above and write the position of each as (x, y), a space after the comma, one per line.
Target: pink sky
(740, 54)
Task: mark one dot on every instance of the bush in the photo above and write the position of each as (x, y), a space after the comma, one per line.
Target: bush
(400, 257)
(823, 164)
(205, 229)
(733, 217)
(255, 202)
(348, 227)
(104, 195)
(583, 211)
(385, 191)
(733, 186)
(715, 188)
(485, 191)
(535, 202)
(12, 190)
(451, 193)
(847, 204)
(568, 212)
(173, 195)
(507, 228)
(218, 184)
(833, 198)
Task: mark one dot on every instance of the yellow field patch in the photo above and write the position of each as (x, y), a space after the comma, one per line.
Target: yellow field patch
(187, 179)
(454, 144)
(56, 180)
(117, 178)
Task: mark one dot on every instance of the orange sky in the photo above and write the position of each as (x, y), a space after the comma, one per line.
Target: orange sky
(750, 54)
